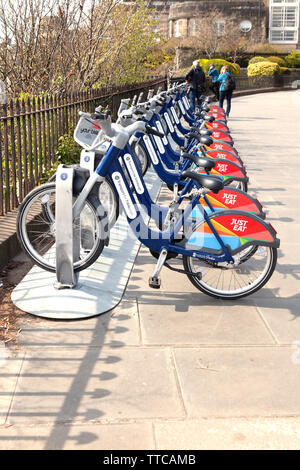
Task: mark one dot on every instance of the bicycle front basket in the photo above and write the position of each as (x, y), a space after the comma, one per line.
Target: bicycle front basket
(86, 132)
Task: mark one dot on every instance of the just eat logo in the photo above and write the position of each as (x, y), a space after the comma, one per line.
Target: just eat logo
(222, 167)
(239, 225)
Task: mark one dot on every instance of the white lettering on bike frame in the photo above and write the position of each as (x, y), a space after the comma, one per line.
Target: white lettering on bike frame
(131, 168)
(174, 115)
(124, 195)
(150, 149)
(168, 120)
(186, 103)
(159, 127)
(159, 144)
(181, 107)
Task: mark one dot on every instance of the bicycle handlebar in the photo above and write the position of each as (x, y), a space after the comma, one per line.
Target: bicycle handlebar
(102, 116)
(151, 130)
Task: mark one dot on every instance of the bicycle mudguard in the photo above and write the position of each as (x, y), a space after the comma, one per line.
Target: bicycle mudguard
(221, 135)
(223, 155)
(222, 146)
(227, 171)
(219, 116)
(237, 230)
(229, 198)
(217, 109)
(219, 126)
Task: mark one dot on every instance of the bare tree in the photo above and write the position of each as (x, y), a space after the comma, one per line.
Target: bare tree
(235, 42)
(56, 45)
(29, 32)
(217, 34)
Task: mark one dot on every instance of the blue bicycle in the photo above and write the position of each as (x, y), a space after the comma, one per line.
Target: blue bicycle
(227, 254)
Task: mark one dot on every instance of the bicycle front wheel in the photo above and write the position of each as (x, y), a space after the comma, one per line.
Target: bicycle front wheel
(142, 156)
(249, 273)
(109, 201)
(36, 228)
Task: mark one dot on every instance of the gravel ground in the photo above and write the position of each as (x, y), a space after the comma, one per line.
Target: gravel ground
(10, 315)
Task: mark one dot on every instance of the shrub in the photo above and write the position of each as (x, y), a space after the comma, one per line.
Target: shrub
(256, 59)
(277, 60)
(219, 63)
(68, 152)
(293, 59)
(263, 68)
(237, 66)
(157, 57)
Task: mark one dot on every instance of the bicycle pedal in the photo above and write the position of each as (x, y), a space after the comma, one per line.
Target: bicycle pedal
(154, 282)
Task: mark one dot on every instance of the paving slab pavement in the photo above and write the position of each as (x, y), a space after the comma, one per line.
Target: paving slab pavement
(229, 434)
(90, 384)
(175, 368)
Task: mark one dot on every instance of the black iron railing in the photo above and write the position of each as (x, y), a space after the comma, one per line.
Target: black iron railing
(30, 129)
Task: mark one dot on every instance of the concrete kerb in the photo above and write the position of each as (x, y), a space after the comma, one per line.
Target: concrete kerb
(256, 91)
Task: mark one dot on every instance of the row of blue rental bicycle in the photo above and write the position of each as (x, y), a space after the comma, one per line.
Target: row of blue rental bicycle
(228, 249)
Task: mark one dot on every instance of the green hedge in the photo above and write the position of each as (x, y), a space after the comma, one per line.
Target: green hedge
(219, 63)
(263, 68)
(278, 60)
(274, 59)
(293, 59)
(256, 59)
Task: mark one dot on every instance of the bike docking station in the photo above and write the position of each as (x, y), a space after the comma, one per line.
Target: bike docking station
(65, 295)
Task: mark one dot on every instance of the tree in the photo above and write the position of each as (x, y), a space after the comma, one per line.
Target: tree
(53, 45)
(218, 35)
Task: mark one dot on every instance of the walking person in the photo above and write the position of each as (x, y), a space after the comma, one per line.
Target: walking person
(214, 74)
(226, 88)
(196, 79)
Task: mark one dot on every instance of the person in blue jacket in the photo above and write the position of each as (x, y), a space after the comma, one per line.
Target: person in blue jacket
(214, 74)
(223, 92)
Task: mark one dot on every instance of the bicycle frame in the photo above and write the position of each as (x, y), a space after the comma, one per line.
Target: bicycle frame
(243, 228)
(154, 240)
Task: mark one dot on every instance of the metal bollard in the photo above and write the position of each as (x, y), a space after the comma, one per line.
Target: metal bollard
(67, 231)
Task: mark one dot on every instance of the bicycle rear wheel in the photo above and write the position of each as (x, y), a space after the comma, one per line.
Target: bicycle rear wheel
(36, 228)
(249, 273)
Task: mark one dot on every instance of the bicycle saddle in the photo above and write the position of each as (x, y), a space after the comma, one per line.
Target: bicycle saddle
(202, 131)
(205, 131)
(212, 183)
(206, 140)
(206, 163)
(207, 117)
(205, 108)
(202, 139)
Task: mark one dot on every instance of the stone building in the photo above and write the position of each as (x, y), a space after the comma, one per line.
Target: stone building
(276, 21)
(184, 17)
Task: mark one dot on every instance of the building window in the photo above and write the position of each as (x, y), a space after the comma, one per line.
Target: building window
(176, 29)
(284, 21)
(192, 27)
(220, 27)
